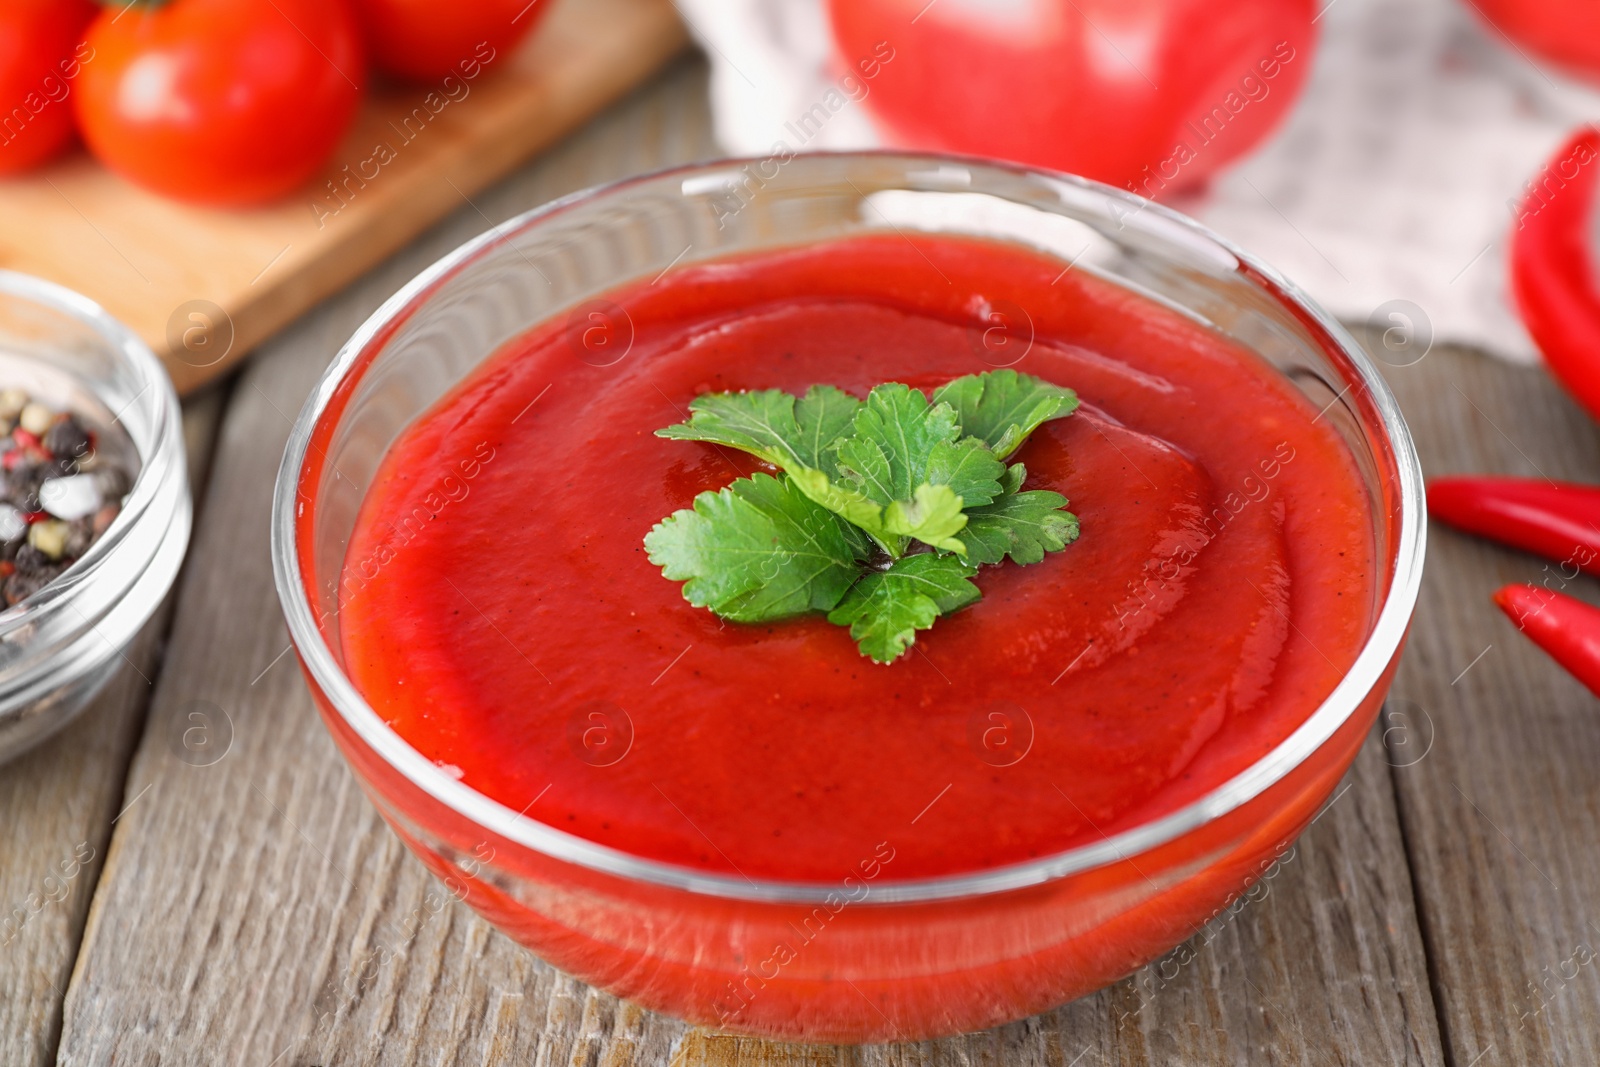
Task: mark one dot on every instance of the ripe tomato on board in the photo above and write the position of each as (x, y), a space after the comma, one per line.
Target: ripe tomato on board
(1564, 31)
(221, 101)
(425, 40)
(41, 53)
(1151, 95)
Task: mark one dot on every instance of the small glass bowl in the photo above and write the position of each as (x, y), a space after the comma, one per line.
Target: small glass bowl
(60, 645)
(910, 959)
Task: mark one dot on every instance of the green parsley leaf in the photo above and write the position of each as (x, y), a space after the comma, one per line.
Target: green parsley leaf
(824, 415)
(882, 472)
(933, 514)
(846, 503)
(895, 466)
(885, 609)
(1001, 407)
(801, 436)
(968, 467)
(1021, 525)
(758, 550)
(907, 456)
(771, 425)
(894, 433)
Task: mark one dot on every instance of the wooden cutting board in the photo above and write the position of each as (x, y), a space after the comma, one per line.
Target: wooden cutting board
(204, 287)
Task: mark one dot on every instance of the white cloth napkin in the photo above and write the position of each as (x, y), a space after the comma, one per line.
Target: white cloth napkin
(1390, 180)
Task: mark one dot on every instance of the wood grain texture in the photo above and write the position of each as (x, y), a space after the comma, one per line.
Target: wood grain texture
(258, 912)
(57, 806)
(145, 258)
(1502, 815)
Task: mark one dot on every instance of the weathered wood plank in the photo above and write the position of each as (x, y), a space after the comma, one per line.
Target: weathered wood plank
(259, 911)
(57, 804)
(1503, 815)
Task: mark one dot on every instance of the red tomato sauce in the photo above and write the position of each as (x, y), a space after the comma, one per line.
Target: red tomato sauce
(500, 613)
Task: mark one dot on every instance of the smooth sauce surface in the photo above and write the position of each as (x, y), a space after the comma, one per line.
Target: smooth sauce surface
(500, 612)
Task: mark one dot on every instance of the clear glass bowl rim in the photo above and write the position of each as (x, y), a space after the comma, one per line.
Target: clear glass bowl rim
(1383, 643)
(161, 462)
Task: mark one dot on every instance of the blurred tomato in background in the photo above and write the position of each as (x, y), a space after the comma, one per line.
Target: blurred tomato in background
(1152, 95)
(221, 101)
(39, 58)
(1565, 31)
(424, 40)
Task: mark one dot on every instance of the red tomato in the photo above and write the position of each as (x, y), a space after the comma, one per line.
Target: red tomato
(424, 40)
(221, 101)
(1553, 270)
(1566, 31)
(41, 52)
(1152, 95)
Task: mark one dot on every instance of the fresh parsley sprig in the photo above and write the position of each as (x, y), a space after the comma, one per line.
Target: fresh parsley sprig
(883, 509)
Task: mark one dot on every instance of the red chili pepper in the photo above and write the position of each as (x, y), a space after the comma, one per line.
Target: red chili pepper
(12, 459)
(1558, 520)
(7, 569)
(24, 439)
(1565, 627)
(1552, 271)
(31, 517)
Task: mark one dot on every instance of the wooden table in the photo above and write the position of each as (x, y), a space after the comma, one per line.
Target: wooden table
(1441, 910)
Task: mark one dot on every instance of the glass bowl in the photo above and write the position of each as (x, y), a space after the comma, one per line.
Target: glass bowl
(908, 959)
(59, 646)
